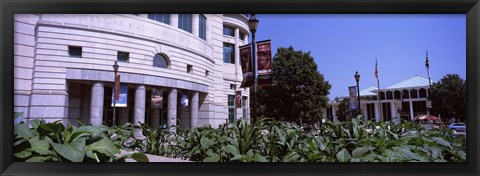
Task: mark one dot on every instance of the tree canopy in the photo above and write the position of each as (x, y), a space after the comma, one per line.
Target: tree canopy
(448, 97)
(301, 91)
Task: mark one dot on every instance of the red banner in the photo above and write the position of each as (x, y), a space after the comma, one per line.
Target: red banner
(117, 87)
(238, 99)
(264, 60)
(246, 62)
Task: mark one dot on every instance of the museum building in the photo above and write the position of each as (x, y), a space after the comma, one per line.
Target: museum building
(175, 69)
(404, 100)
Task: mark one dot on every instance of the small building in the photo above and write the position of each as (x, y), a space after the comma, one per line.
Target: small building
(404, 100)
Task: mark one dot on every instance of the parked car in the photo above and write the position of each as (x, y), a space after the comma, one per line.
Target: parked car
(457, 127)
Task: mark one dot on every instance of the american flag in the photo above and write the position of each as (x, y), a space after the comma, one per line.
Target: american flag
(376, 68)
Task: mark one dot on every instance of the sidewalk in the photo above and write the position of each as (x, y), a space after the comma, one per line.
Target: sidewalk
(153, 158)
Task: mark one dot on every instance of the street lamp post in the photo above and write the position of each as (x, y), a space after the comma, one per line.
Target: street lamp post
(252, 25)
(357, 78)
(115, 69)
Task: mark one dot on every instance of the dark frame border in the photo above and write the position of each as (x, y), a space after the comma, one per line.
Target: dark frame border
(469, 7)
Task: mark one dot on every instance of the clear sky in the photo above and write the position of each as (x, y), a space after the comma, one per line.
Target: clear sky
(342, 44)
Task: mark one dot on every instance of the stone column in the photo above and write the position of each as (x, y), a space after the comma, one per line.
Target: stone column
(411, 110)
(196, 24)
(139, 113)
(238, 68)
(96, 104)
(194, 111)
(155, 118)
(172, 109)
(174, 20)
(377, 112)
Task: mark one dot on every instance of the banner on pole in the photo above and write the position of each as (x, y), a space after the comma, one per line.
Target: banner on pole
(117, 87)
(122, 100)
(352, 90)
(238, 99)
(246, 62)
(264, 60)
(157, 98)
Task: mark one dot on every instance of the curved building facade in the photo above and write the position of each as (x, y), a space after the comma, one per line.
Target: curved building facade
(174, 68)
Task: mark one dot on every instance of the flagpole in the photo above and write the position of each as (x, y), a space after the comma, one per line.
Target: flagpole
(427, 65)
(378, 92)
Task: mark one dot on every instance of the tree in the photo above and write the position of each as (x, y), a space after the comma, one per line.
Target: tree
(448, 97)
(301, 91)
(343, 112)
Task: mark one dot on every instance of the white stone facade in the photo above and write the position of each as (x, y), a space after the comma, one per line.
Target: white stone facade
(50, 84)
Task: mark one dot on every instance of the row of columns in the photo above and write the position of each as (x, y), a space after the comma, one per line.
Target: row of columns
(97, 99)
(393, 109)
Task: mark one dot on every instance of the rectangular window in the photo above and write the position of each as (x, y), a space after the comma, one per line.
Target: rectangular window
(122, 57)
(386, 111)
(164, 18)
(370, 111)
(231, 109)
(228, 31)
(185, 22)
(75, 51)
(203, 27)
(189, 68)
(228, 53)
(419, 108)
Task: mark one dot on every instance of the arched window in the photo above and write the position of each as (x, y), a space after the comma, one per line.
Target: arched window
(423, 93)
(389, 95)
(414, 93)
(382, 95)
(405, 94)
(160, 61)
(396, 94)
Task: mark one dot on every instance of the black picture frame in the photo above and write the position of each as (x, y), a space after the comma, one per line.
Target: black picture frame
(469, 7)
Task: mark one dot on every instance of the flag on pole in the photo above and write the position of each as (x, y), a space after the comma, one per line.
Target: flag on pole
(376, 68)
(427, 64)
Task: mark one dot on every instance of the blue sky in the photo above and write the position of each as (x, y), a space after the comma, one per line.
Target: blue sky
(342, 44)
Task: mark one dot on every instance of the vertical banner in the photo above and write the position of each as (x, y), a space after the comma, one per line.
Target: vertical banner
(246, 62)
(238, 99)
(122, 99)
(157, 98)
(352, 90)
(117, 87)
(264, 60)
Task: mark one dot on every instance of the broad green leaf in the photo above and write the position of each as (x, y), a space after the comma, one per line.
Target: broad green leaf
(23, 154)
(260, 158)
(359, 151)
(74, 151)
(231, 149)
(237, 157)
(50, 128)
(36, 122)
(104, 146)
(23, 131)
(368, 158)
(322, 144)
(16, 143)
(140, 157)
(39, 146)
(38, 159)
(212, 158)
(343, 155)
(205, 142)
(442, 141)
(355, 160)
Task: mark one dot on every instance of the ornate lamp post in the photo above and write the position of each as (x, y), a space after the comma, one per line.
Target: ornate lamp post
(357, 78)
(115, 69)
(252, 25)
